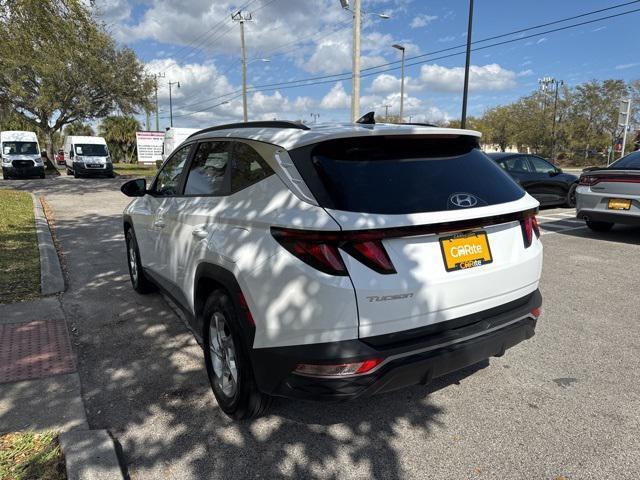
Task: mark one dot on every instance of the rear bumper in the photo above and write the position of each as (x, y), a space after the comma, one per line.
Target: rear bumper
(408, 360)
(34, 171)
(611, 216)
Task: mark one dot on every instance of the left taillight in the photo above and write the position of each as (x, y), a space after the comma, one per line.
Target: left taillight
(320, 249)
(530, 227)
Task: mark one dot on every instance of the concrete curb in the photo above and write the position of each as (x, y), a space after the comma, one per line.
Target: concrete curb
(90, 455)
(51, 279)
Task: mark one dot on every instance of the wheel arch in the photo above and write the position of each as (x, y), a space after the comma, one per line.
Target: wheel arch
(210, 277)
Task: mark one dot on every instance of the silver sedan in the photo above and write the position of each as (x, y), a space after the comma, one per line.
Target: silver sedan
(606, 196)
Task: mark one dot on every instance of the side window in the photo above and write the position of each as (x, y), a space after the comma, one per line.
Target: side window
(517, 164)
(208, 174)
(541, 166)
(248, 167)
(168, 179)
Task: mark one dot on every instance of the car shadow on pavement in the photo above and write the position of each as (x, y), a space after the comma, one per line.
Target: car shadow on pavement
(619, 234)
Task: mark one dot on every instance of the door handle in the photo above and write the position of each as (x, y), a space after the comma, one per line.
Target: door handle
(159, 224)
(200, 233)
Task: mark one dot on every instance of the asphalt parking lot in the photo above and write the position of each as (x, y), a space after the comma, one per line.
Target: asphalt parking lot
(563, 405)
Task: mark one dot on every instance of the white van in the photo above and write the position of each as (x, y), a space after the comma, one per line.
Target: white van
(20, 154)
(87, 156)
(174, 137)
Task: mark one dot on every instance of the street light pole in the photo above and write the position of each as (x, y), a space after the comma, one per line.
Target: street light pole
(355, 75)
(401, 48)
(558, 84)
(155, 86)
(315, 117)
(239, 17)
(171, 102)
(465, 92)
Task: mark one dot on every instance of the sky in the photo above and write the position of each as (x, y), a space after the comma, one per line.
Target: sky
(197, 44)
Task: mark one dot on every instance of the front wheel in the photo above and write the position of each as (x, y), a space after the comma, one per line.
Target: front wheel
(139, 281)
(599, 226)
(227, 360)
(571, 196)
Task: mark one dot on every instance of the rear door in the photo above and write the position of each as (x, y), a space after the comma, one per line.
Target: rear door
(435, 227)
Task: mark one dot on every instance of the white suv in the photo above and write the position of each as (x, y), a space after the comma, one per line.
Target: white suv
(332, 262)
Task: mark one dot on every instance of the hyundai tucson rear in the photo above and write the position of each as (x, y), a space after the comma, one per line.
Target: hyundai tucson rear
(361, 259)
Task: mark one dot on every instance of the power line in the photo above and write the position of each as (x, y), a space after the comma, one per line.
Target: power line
(310, 81)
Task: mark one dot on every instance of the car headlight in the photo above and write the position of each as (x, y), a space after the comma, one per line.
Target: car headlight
(108, 159)
(6, 160)
(38, 161)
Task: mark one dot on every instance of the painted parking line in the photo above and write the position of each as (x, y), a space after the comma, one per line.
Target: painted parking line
(551, 232)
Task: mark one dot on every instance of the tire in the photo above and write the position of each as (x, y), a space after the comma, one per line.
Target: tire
(238, 396)
(5, 174)
(139, 281)
(43, 176)
(599, 226)
(75, 174)
(571, 196)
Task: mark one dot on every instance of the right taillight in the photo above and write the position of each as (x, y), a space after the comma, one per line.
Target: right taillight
(530, 228)
(320, 249)
(587, 180)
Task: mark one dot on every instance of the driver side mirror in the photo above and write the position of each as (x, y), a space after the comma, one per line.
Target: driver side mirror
(135, 188)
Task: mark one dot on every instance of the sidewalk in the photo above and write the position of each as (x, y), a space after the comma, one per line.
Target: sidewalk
(39, 386)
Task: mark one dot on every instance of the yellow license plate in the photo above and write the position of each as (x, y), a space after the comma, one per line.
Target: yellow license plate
(465, 250)
(619, 204)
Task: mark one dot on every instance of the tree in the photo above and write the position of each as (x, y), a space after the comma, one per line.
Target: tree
(58, 66)
(78, 128)
(497, 127)
(120, 134)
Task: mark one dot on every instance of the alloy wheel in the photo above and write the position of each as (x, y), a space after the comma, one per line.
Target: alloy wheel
(223, 355)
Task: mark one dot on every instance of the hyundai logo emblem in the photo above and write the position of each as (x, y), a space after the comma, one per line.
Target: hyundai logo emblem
(464, 200)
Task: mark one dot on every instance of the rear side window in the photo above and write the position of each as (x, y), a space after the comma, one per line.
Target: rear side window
(402, 174)
(631, 161)
(517, 164)
(248, 167)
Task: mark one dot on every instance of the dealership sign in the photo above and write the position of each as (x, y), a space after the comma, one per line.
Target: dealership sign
(149, 146)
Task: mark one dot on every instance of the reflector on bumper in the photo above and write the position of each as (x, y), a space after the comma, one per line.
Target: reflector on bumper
(337, 370)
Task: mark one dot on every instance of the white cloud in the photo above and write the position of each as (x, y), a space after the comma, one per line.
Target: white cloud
(525, 63)
(525, 73)
(448, 38)
(422, 20)
(624, 66)
(541, 40)
(487, 77)
(336, 98)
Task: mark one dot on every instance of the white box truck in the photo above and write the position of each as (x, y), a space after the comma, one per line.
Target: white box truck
(173, 137)
(85, 156)
(20, 154)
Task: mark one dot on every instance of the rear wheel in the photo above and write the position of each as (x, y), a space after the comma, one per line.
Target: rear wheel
(227, 360)
(571, 196)
(599, 226)
(139, 281)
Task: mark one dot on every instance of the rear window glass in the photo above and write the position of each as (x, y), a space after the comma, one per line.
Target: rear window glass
(401, 174)
(631, 162)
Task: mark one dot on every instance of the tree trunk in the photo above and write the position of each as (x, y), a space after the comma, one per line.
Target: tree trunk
(48, 139)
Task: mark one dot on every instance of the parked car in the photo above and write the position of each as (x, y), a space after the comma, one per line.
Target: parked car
(87, 156)
(334, 262)
(606, 196)
(60, 157)
(544, 181)
(20, 154)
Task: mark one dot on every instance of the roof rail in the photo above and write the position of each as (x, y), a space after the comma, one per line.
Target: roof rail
(419, 124)
(258, 124)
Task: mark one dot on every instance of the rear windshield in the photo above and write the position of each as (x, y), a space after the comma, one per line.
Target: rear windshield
(402, 174)
(630, 162)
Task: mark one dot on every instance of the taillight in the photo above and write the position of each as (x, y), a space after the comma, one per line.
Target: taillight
(587, 180)
(372, 254)
(529, 227)
(320, 249)
(338, 369)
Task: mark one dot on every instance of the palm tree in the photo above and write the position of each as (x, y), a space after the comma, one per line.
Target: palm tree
(120, 134)
(78, 128)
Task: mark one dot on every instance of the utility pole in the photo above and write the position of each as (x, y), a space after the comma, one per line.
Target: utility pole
(355, 74)
(558, 84)
(465, 91)
(315, 117)
(623, 121)
(155, 85)
(171, 102)
(401, 48)
(386, 112)
(241, 18)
